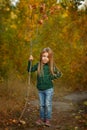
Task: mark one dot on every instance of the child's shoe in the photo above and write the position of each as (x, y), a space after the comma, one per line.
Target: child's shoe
(40, 122)
(47, 123)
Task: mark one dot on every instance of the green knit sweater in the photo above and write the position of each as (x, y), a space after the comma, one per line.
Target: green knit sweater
(45, 81)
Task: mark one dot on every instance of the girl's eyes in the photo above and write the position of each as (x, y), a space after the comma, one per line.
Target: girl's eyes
(45, 56)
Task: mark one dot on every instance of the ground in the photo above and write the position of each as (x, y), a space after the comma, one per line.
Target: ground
(69, 113)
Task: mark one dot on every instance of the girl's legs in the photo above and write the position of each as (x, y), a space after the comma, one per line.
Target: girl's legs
(42, 108)
(48, 103)
(42, 104)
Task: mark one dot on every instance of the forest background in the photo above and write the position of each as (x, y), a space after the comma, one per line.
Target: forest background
(31, 26)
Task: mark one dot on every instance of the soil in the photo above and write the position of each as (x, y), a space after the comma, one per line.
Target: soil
(69, 113)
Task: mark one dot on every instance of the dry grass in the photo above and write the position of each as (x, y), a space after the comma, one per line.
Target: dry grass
(13, 95)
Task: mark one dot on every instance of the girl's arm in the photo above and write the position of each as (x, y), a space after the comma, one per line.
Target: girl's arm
(31, 68)
(57, 74)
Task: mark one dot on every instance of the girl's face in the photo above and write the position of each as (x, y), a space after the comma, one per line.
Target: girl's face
(45, 58)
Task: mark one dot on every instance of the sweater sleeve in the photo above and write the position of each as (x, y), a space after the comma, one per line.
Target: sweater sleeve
(31, 68)
(57, 74)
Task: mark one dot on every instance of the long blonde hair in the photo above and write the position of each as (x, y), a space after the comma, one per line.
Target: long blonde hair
(50, 56)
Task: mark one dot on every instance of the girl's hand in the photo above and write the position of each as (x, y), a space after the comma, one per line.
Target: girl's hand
(31, 57)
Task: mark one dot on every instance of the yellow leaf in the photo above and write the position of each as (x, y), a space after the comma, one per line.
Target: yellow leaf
(13, 26)
(65, 15)
(13, 15)
(85, 103)
(77, 117)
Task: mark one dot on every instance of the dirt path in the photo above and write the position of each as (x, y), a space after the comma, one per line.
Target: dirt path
(69, 113)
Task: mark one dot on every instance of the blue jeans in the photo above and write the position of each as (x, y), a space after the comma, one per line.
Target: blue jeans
(46, 103)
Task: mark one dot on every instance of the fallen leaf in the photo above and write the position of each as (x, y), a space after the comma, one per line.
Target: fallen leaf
(85, 103)
(22, 122)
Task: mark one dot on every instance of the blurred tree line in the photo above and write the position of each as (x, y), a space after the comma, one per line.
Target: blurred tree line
(43, 23)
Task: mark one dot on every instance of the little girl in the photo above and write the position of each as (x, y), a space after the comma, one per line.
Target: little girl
(46, 72)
